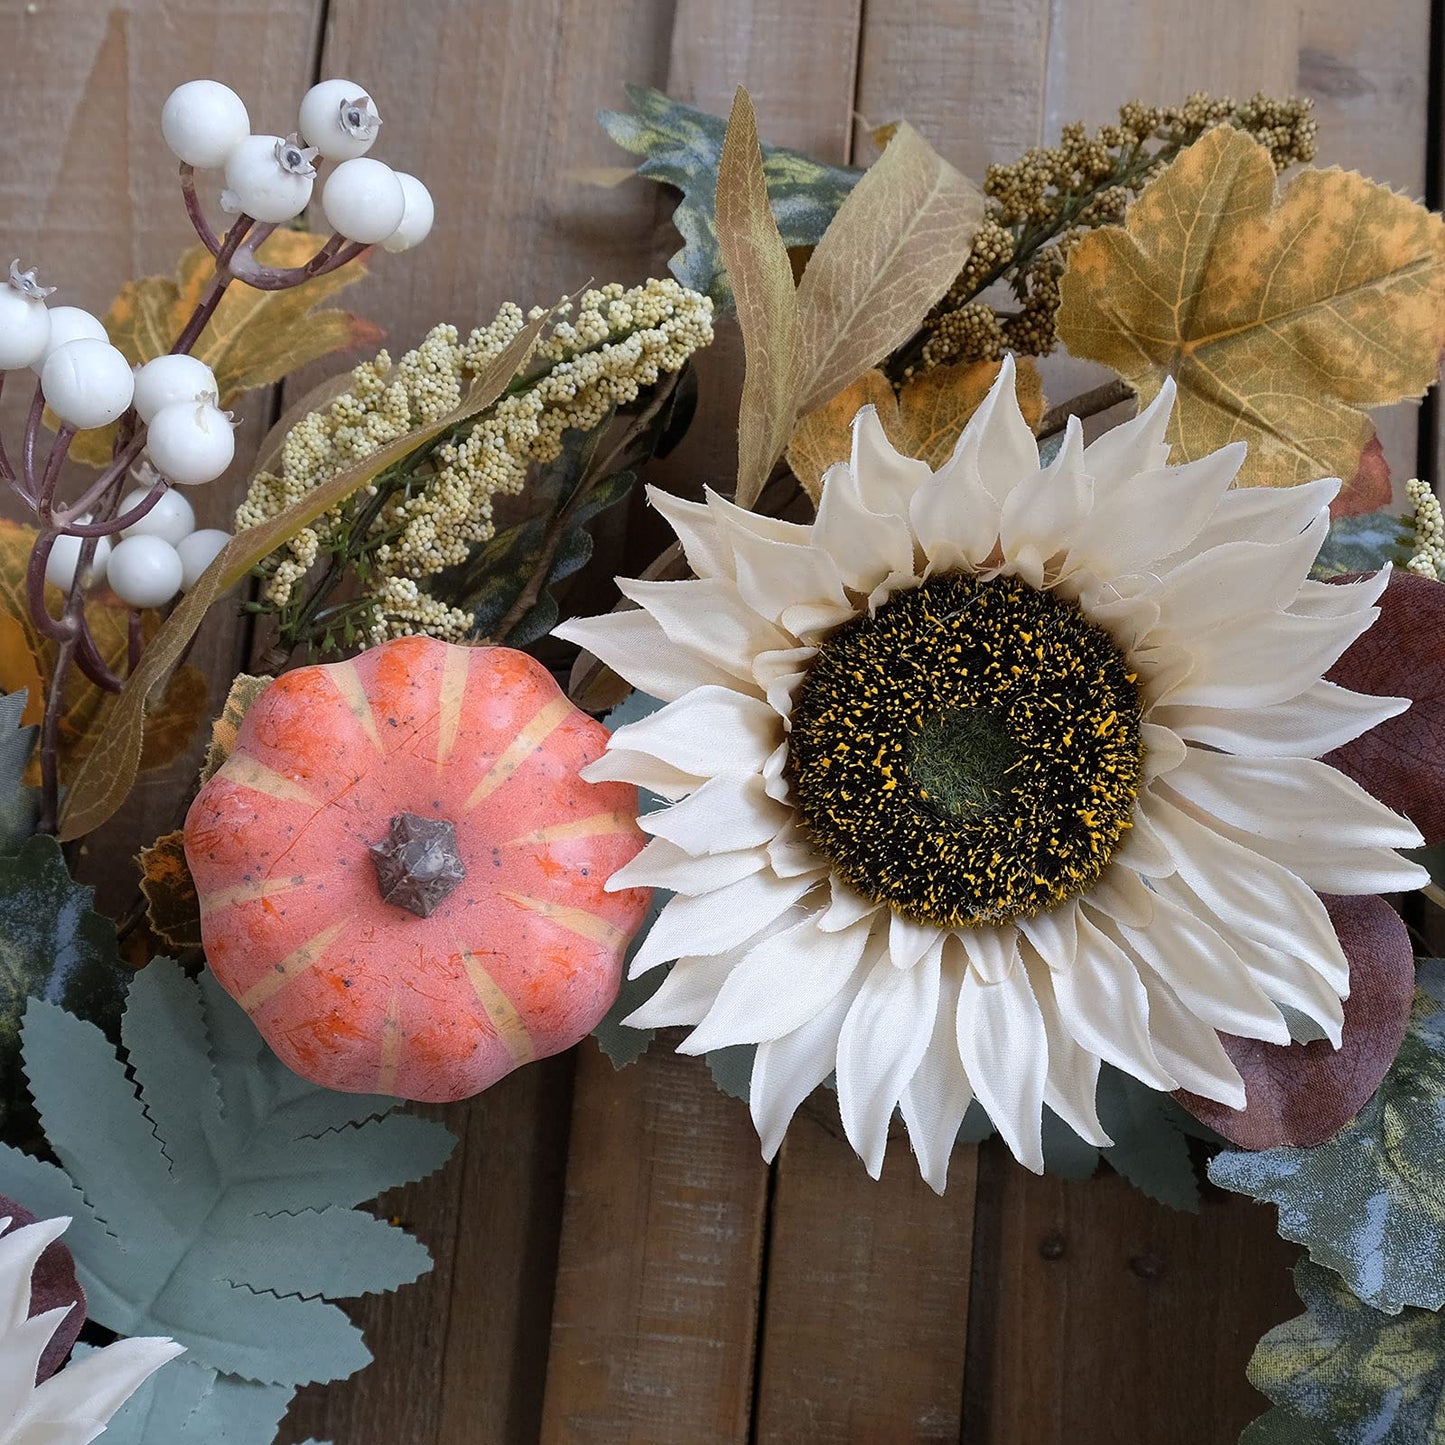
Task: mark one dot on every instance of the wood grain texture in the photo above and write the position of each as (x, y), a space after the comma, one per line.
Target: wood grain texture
(89, 193)
(658, 1277)
(866, 1314)
(1099, 1315)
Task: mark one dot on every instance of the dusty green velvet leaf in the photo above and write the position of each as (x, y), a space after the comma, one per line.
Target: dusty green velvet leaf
(19, 805)
(1370, 1203)
(1365, 543)
(214, 1205)
(52, 946)
(1354, 1376)
(682, 147)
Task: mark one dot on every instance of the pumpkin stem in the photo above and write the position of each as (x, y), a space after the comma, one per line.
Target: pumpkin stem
(417, 863)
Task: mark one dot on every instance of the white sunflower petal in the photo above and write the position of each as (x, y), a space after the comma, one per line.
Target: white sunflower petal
(1045, 511)
(867, 546)
(845, 907)
(664, 865)
(642, 770)
(778, 985)
(997, 441)
(880, 1047)
(715, 922)
(710, 619)
(787, 1070)
(709, 732)
(887, 479)
(1341, 599)
(954, 517)
(993, 953)
(1320, 719)
(1265, 514)
(686, 994)
(1137, 445)
(1071, 1085)
(909, 941)
(635, 647)
(938, 1095)
(695, 527)
(791, 584)
(725, 813)
(1005, 1052)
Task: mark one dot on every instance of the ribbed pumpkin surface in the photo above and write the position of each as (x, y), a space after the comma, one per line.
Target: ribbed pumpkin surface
(520, 961)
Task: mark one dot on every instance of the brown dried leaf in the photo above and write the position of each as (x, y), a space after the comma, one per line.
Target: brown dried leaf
(245, 689)
(1281, 319)
(1402, 762)
(923, 420)
(27, 660)
(108, 772)
(173, 908)
(767, 306)
(898, 240)
(1299, 1095)
(254, 339)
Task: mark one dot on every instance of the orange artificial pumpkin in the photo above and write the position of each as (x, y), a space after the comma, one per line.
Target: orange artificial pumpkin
(402, 876)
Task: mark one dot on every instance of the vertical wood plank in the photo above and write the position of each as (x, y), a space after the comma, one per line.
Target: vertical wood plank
(867, 1304)
(1113, 1318)
(89, 194)
(653, 1328)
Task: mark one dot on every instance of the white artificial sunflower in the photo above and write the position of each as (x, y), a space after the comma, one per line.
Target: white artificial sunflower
(992, 773)
(75, 1404)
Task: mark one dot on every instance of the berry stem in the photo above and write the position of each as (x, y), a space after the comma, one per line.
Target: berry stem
(27, 447)
(109, 528)
(7, 472)
(112, 475)
(201, 225)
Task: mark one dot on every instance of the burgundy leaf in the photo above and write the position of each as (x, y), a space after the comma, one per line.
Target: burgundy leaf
(1369, 489)
(1402, 762)
(52, 1285)
(1302, 1094)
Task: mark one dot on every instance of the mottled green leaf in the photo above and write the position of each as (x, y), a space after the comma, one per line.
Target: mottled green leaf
(53, 947)
(682, 147)
(1354, 1376)
(1370, 1203)
(1365, 544)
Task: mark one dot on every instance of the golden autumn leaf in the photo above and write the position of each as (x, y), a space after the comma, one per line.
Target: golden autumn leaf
(1281, 316)
(923, 420)
(767, 306)
(173, 908)
(254, 339)
(27, 659)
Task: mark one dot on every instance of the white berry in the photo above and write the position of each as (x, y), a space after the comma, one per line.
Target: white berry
(203, 121)
(65, 557)
(416, 218)
(363, 200)
(268, 177)
(339, 118)
(171, 378)
(87, 383)
(171, 519)
(197, 552)
(190, 442)
(69, 323)
(24, 328)
(144, 571)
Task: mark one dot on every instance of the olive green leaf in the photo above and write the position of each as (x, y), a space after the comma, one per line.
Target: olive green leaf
(682, 147)
(1345, 1374)
(1370, 1203)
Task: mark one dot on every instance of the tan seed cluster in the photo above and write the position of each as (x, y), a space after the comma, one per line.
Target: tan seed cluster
(433, 512)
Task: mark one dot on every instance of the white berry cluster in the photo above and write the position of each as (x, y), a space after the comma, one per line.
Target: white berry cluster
(270, 177)
(1429, 556)
(619, 342)
(155, 559)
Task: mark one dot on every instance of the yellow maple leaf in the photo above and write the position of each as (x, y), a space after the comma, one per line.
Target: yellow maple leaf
(1280, 317)
(255, 338)
(922, 420)
(27, 660)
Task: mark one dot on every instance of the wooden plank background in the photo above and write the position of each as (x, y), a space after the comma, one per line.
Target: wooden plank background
(613, 1260)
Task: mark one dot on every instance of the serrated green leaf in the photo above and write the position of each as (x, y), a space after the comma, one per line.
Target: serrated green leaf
(1356, 1376)
(1370, 1203)
(1150, 1147)
(732, 1069)
(19, 805)
(52, 946)
(211, 1195)
(1365, 544)
(682, 147)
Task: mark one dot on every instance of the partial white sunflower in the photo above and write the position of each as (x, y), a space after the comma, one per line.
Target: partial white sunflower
(992, 773)
(75, 1404)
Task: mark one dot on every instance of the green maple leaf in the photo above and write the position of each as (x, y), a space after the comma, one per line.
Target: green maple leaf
(213, 1199)
(1345, 1374)
(1370, 1203)
(683, 147)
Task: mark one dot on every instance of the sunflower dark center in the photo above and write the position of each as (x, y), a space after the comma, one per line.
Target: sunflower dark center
(969, 753)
